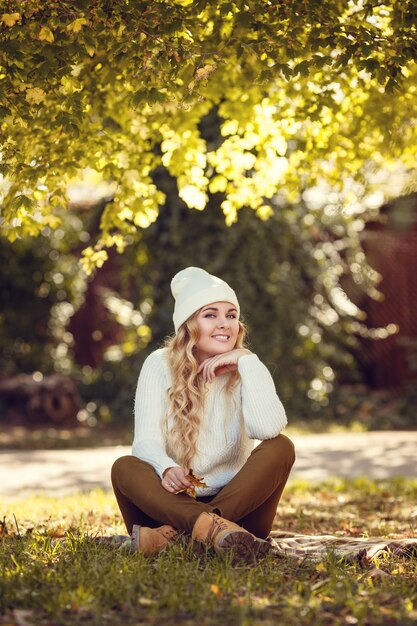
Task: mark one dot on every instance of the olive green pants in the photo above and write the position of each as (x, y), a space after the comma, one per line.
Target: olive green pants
(249, 499)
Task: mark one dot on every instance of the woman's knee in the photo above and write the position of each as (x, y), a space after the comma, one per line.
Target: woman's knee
(129, 469)
(287, 447)
(121, 467)
(281, 447)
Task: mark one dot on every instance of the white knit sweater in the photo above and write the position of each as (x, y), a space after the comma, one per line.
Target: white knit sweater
(231, 420)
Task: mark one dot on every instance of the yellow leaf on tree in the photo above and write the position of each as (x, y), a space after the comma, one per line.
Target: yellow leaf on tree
(35, 95)
(264, 212)
(45, 34)
(77, 24)
(204, 72)
(10, 19)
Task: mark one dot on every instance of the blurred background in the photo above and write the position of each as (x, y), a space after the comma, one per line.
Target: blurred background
(332, 315)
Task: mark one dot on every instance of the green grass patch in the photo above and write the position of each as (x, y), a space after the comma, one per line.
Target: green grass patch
(52, 573)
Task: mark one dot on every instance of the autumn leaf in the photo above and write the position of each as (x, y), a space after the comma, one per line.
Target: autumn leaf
(143, 601)
(195, 482)
(10, 19)
(35, 95)
(320, 567)
(46, 34)
(57, 532)
(215, 589)
(202, 73)
(77, 25)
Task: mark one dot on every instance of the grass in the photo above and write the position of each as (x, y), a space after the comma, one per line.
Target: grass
(53, 574)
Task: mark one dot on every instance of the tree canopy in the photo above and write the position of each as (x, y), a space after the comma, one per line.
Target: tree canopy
(303, 91)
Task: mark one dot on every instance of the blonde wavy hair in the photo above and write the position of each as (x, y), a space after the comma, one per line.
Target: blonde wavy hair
(186, 394)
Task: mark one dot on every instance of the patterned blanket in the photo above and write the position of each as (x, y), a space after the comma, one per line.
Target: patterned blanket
(315, 547)
(363, 549)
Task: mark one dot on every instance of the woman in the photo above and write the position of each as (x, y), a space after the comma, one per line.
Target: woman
(200, 403)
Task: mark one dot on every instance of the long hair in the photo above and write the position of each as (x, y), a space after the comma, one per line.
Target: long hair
(187, 391)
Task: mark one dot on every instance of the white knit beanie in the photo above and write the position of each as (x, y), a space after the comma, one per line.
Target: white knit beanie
(193, 288)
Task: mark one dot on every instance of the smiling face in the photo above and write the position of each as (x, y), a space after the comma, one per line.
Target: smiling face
(218, 325)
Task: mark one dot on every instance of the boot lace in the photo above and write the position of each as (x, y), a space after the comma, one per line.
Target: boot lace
(217, 526)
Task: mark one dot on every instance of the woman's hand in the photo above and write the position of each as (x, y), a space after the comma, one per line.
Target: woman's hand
(221, 363)
(174, 479)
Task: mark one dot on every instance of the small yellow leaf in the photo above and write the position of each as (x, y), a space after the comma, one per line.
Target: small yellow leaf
(146, 601)
(77, 25)
(320, 567)
(10, 19)
(45, 34)
(215, 589)
(35, 95)
(264, 212)
(204, 72)
(58, 532)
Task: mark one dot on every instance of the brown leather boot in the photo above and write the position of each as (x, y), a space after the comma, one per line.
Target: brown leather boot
(228, 538)
(151, 541)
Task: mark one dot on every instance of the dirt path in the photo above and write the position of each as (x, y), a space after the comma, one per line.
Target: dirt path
(57, 472)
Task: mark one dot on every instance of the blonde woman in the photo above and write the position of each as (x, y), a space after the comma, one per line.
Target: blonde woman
(201, 402)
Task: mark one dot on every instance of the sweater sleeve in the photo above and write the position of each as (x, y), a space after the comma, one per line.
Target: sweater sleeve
(150, 408)
(263, 413)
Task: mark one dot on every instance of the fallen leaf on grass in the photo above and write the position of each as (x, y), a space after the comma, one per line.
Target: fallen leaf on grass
(57, 532)
(146, 601)
(215, 589)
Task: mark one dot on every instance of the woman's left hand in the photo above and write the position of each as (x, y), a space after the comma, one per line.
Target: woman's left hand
(221, 363)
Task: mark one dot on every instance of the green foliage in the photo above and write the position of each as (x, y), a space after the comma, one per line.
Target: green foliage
(24, 338)
(244, 108)
(285, 269)
(40, 286)
(306, 91)
(55, 573)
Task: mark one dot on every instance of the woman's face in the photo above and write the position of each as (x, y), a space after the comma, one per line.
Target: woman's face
(218, 325)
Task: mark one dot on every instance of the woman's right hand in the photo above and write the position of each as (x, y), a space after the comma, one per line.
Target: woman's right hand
(221, 363)
(175, 479)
